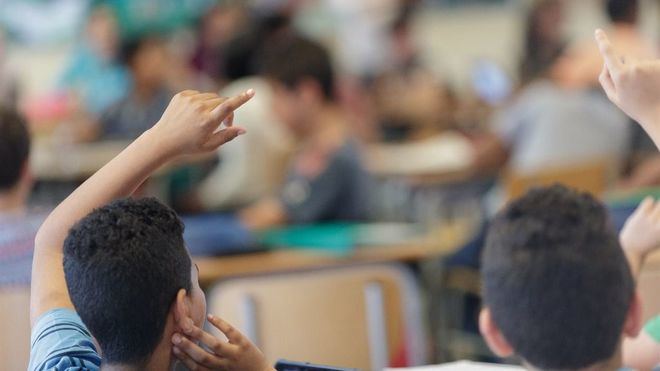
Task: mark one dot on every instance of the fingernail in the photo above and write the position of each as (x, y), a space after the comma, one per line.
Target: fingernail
(176, 339)
(241, 131)
(250, 92)
(210, 317)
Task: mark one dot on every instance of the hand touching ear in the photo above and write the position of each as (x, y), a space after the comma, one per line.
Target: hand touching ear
(633, 85)
(236, 354)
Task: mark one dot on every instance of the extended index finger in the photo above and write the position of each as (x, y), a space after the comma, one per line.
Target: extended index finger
(612, 60)
(230, 332)
(230, 105)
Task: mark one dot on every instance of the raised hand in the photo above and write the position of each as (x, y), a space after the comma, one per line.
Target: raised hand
(191, 123)
(641, 233)
(236, 354)
(633, 85)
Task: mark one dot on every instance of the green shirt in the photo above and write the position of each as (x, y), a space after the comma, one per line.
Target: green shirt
(653, 328)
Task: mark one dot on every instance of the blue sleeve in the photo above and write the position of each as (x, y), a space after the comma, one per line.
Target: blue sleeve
(61, 342)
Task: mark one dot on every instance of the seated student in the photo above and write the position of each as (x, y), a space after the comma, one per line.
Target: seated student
(557, 289)
(147, 60)
(326, 179)
(18, 225)
(94, 75)
(115, 272)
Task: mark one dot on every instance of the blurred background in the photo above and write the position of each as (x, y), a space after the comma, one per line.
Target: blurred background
(438, 111)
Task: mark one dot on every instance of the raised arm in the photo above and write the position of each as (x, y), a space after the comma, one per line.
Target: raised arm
(633, 85)
(188, 126)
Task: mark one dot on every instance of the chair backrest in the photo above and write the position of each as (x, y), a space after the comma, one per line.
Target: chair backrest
(15, 334)
(360, 316)
(590, 177)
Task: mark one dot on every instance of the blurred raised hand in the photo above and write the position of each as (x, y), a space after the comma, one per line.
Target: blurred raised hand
(632, 84)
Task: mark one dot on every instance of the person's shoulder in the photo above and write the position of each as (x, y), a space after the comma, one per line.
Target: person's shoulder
(60, 341)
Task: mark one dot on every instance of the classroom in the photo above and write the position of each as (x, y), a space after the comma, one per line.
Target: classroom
(329, 185)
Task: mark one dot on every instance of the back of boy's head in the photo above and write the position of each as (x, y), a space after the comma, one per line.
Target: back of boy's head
(555, 279)
(124, 264)
(294, 59)
(14, 148)
(622, 11)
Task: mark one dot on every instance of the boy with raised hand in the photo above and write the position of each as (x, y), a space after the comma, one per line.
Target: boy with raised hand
(634, 86)
(115, 272)
(557, 289)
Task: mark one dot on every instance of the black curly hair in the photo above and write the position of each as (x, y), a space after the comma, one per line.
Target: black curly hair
(124, 264)
(556, 280)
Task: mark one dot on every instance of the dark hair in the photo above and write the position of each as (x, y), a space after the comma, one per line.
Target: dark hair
(540, 53)
(14, 147)
(242, 53)
(124, 264)
(556, 280)
(624, 11)
(292, 59)
(131, 48)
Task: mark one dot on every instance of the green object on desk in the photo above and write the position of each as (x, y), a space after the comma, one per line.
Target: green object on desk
(340, 238)
(631, 198)
(333, 238)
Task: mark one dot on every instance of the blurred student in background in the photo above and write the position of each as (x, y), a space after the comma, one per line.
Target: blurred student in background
(8, 84)
(94, 77)
(326, 179)
(581, 63)
(254, 167)
(147, 60)
(544, 39)
(219, 25)
(409, 101)
(549, 125)
(18, 225)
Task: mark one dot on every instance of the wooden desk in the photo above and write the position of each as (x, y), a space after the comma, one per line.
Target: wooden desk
(446, 157)
(59, 162)
(443, 242)
(51, 161)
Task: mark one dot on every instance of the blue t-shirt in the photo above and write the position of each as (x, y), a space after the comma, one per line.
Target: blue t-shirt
(61, 342)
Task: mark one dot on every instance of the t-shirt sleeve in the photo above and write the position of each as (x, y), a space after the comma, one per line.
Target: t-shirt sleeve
(310, 200)
(60, 341)
(653, 328)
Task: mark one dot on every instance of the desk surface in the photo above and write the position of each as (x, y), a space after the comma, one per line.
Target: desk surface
(51, 161)
(440, 243)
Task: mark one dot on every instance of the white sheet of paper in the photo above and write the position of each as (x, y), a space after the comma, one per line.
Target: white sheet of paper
(460, 366)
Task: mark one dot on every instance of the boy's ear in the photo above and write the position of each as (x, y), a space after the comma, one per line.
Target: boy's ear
(181, 308)
(491, 333)
(634, 322)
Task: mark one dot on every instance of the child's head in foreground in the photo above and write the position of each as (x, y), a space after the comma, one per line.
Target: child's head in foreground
(558, 291)
(131, 279)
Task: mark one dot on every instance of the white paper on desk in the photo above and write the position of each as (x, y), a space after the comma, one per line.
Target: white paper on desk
(460, 366)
